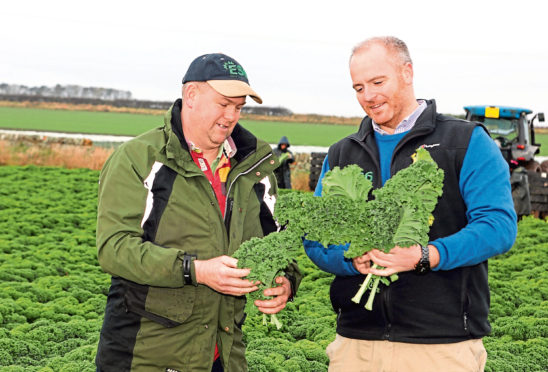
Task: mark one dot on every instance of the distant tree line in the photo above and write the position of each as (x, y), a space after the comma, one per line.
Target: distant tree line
(131, 103)
(76, 94)
(266, 110)
(65, 91)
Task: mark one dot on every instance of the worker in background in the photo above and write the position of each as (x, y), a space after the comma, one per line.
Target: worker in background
(283, 172)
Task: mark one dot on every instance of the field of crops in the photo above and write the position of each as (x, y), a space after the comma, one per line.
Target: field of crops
(116, 123)
(52, 292)
(134, 124)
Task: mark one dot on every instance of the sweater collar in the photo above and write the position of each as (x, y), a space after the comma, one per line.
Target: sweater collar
(425, 121)
(406, 124)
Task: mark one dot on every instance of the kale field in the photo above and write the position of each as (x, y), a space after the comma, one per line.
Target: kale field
(52, 291)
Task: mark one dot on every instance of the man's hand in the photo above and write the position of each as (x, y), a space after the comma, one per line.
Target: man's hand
(362, 263)
(281, 295)
(221, 274)
(399, 259)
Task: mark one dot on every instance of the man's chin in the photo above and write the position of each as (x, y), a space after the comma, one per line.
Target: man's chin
(377, 117)
(379, 120)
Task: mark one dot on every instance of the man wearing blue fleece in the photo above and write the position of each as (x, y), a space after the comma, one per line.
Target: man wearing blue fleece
(434, 316)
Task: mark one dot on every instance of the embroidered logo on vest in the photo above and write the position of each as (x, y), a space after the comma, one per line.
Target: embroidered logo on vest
(430, 146)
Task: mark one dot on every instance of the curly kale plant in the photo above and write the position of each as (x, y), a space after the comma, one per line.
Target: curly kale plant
(399, 214)
(267, 258)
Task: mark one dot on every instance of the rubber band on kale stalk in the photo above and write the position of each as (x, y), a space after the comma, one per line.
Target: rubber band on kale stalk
(267, 258)
(399, 214)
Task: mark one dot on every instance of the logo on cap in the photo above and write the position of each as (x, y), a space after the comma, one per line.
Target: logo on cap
(234, 69)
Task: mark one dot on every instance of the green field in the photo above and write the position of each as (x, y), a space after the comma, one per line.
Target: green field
(77, 121)
(134, 124)
(542, 139)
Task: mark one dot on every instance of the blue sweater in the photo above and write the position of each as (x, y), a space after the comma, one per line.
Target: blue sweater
(483, 184)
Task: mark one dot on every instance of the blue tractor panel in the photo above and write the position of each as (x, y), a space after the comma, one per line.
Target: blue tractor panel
(505, 112)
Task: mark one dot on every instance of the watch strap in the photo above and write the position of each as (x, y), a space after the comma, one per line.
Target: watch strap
(423, 266)
(187, 263)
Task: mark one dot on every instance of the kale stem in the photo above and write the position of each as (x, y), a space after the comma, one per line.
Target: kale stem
(357, 298)
(369, 304)
(274, 320)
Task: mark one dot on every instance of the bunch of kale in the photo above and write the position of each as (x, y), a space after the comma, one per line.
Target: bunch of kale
(400, 213)
(267, 258)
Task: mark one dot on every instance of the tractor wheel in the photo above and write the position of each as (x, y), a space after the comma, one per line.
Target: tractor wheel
(520, 192)
(316, 162)
(538, 190)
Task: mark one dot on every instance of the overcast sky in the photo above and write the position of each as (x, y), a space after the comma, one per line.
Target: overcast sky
(295, 52)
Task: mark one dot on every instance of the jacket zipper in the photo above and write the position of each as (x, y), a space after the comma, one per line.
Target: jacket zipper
(228, 212)
(386, 311)
(386, 290)
(240, 174)
(465, 300)
(229, 202)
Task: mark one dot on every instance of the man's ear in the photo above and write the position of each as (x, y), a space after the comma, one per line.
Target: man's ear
(407, 73)
(190, 91)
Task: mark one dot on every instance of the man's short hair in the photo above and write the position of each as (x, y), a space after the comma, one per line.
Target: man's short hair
(390, 42)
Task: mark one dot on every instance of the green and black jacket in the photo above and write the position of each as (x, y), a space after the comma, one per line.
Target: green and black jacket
(156, 205)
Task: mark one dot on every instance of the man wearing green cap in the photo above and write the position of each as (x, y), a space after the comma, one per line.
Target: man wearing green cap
(174, 204)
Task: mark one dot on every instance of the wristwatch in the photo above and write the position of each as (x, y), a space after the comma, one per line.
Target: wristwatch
(423, 266)
(187, 261)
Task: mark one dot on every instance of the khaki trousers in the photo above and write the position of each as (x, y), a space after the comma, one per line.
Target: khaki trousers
(351, 355)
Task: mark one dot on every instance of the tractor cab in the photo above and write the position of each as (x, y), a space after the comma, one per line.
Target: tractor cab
(512, 131)
(514, 134)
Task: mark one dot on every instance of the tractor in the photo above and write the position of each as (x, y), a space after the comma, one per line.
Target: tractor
(514, 134)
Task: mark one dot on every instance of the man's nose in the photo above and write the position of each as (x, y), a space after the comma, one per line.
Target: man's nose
(231, 113)
(368, 94)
